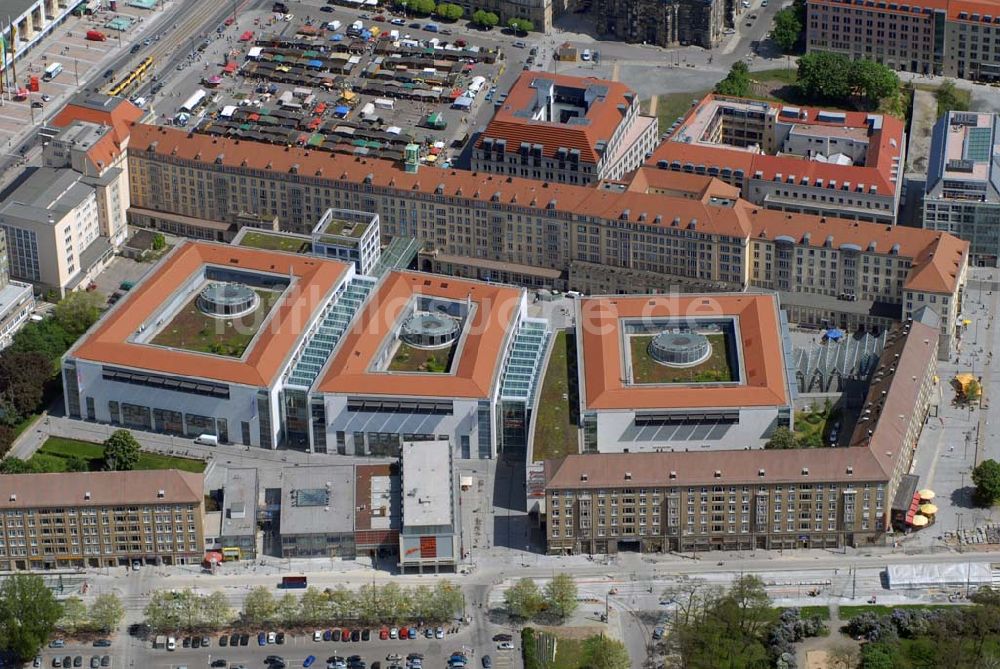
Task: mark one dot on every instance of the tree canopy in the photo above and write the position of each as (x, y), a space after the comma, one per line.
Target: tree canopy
(601, 652)
(737, 82)
(28, 614)
(449, 11)
(787, 29)
(485, 19)
(560, 595)
(830, 77)
(520, 25)
(121, 451)
(523, 599)
(781, 438)
(986, 477)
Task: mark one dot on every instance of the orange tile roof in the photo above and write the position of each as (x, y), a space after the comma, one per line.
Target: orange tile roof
(870, 457)
(953, 8)
(70, 489)
(936, 257)
(604, 117)
(741, 221)
(601, 353)
(120, 117)
(480, 357)
(315, 278)
(680, 184)
(885, 145)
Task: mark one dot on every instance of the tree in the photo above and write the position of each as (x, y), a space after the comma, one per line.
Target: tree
(259, 605)
(341, 602)
(107, 612)
(28, 614)
(22, 380)
(520, 25)
(422, 6)
(78, 311)
(737, 82)
(872, 81)
(286, 609)
(485, 19)
(314, 606)
(121, 451)
(601, 652)
(986, 477)
(15, 466)
(46, 337)
(787, 29)
(950, 99)
(74, 615)
(159, 241)
(446, 600)
(167, 610)
(876, 656)
(560, 595)
(782, 438)
(523, 599)
(824, 76)
(971, 391)
(214, 610)
(75, 463)
(449, 11)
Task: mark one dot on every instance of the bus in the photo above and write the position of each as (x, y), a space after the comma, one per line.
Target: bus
(194, 101)
(290, 582)
(52, 71)
(131, 81)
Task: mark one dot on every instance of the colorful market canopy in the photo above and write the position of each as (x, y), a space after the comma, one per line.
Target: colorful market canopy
(928, 509)
(920, 521)
(926, 494)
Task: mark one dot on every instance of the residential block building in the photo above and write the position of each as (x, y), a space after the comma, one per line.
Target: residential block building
(431, 535)
(962, 195)
(794, 159)
(566, 129)
(640, 236)
(952, 38)
(743, 499)
(64, 220)
(100, 519)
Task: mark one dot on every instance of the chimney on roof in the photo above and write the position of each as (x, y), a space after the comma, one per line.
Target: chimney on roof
(761, 473)
(583, 477)
(718, 473)
(13, 497)
(673, 475)
(161, 493)
(86, 495)
(628, 476)
(805, 471)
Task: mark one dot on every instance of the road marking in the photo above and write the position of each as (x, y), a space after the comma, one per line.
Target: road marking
(614, 71)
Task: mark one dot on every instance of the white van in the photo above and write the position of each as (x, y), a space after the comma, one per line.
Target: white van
(207, 440)
(171, 643)
(585, 55)
(334, 25)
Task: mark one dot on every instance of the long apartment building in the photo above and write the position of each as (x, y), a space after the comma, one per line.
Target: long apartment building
(100, 519)
(615, 237)
(794, 159)
(952, 38)
(747, 499)
(962, 194)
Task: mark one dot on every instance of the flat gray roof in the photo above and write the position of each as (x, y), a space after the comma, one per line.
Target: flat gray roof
(14, 8)
(428, 483)
(46, 190)
(239, 502)
(317, 499)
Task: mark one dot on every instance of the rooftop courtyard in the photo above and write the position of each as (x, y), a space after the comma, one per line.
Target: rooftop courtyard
(715, 369)
(192, 329)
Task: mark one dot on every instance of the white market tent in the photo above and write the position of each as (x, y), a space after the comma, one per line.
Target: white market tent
(907, 576)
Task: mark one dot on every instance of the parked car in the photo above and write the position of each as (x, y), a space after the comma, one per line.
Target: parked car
(336, 634)
(383, 633)
(308, 662)
(261, 639)
(234, 639)
(280, 638)
(366, 635)
(328, 635)
(318, 635)
(412, 633)
(487, 662)
(272, 637)
(223, 641)
(439, 633)
(505, 645)
(355, 635)
(244, 639)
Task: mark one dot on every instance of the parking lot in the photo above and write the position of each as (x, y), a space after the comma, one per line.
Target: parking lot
(296, 648)
(300, 78)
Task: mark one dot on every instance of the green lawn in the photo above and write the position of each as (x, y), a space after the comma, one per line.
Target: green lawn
(822, 612)
(410, 359)
(647, 370)
(782, 74)
(555, 432)
(269, 242)
(670, 106)
(56, 450)
(811, 426)
(569, 654)
(848, 612)
(194, 330)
